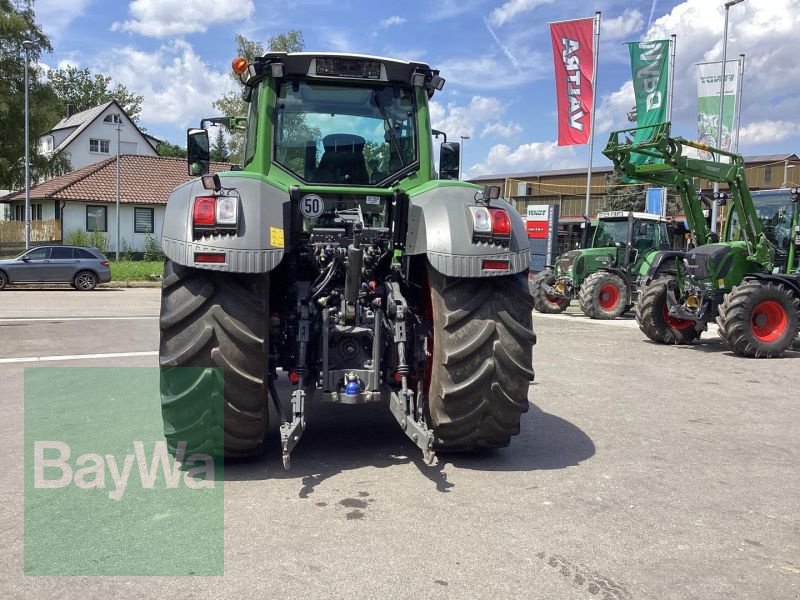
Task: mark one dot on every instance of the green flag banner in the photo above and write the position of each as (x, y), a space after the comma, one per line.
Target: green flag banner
(650, 70)
(709, 76)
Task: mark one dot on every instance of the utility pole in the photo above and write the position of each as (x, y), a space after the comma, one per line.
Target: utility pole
(119, 128)
(28, 45)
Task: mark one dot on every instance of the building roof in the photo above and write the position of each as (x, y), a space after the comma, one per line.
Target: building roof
(81, 120)
(142, 180)
(758, 159)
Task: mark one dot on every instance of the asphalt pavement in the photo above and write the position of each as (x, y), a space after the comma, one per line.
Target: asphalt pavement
(641, 472)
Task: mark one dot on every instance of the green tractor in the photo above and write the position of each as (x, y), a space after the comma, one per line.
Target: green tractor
(603, 277)
(748, 282)
(336, 258)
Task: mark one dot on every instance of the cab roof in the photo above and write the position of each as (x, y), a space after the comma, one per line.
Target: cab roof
(623, 214)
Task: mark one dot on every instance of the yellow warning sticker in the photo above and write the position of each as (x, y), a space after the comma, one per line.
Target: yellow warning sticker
(276, 237)
(720, 283)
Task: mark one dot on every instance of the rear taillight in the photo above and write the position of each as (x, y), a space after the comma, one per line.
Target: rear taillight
(495, 265)
(104, 263)
(205, 211)
(490, 222)
(209, 257)
(501, 224)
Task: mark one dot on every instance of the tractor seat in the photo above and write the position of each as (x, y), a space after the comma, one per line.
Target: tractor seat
(344, 155)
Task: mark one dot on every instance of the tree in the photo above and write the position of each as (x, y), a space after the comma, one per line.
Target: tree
(17, 24)
(623, 196)
(168, 149)
(231, 104)
(83, 90)
(219, 149)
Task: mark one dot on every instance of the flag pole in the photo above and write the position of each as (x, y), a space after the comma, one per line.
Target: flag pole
(672, 41)
(738, 108)
(594, 103)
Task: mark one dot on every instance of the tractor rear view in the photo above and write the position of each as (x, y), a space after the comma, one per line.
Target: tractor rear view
(337, 259)
(748, 282)
(603, 277)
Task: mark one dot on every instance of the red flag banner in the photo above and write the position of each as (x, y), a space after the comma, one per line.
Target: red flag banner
(573, 48)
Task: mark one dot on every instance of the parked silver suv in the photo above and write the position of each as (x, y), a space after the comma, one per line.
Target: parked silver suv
(83, 268)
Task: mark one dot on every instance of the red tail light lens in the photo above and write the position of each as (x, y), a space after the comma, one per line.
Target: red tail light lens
(501, 224)
(209, 257)
(495, 265)
(205, 211)
(104, 263)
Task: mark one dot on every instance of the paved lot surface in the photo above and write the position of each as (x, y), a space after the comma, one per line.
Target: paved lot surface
(641, 471)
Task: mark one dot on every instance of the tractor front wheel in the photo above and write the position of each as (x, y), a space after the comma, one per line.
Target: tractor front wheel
(542, 301)
(603, 295)
(759, 319)
(481, 361)
(654, 320)
(215, 323)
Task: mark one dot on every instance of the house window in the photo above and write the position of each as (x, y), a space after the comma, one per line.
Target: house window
(767, 175)
(112, 119)
(143, 220)
(96, 218)
(102, 146)
(46, 144)
(36, 212)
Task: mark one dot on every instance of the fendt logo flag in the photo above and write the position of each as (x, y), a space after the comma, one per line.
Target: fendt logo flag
(573, 51)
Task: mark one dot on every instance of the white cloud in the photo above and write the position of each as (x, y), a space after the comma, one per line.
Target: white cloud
(503, 14)
(161, 18)
(536, 156)
(499, 129)
(613, 109)
(621, 27)
(177, 86)
(491, 72)
(764, 132)
(393, 20)
(457, 120)
(55, 16)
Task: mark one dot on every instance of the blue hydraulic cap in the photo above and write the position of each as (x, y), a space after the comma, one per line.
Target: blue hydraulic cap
(352, 388)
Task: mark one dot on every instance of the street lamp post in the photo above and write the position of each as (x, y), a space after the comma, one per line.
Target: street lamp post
(28, 46)
(119, 127)
(464, 139)
(721, 101)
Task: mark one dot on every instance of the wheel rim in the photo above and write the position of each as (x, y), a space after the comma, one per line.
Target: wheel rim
(608, 298)
(769, 321)
(674, 322)
(85, 281)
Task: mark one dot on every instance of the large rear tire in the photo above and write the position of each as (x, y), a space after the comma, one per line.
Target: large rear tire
(603, 295)
(759, 319)
(654, 319)
(541, 301)
(481, 363)
(217, 323)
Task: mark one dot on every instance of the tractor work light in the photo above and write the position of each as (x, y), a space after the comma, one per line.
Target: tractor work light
(418, 79)
(276, 70)
(437, 82)
(491, 192)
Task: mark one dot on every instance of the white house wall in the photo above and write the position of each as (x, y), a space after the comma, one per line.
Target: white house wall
(78, 149)
(74, 217)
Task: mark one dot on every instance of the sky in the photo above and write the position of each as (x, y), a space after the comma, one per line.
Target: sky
(495, 55)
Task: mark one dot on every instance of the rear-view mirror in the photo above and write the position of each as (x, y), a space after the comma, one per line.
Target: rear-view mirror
(197, 151)
(449, 155)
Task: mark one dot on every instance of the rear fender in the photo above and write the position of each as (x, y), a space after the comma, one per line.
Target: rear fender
(257, 246)
(789, 281)
(663, 261)
(439, 226)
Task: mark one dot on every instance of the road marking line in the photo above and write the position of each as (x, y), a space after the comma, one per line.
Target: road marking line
(26, 359)
(45, 319)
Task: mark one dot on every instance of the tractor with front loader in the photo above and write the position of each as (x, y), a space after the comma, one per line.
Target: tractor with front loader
(603, 276)
(748, 282)
(337, 259)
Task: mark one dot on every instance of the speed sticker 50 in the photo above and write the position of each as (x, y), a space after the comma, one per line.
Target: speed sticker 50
(311, 205)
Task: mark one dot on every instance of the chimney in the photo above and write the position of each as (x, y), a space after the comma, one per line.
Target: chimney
(70, 110)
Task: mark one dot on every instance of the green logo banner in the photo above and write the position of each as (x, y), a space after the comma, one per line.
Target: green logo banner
(103, 494)
(709, 79)
(650, 70)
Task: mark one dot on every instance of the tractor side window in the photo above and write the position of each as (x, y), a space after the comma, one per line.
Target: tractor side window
(252, 127)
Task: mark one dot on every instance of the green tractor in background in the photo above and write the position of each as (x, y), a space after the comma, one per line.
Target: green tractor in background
(603, 277)
(748, 282)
